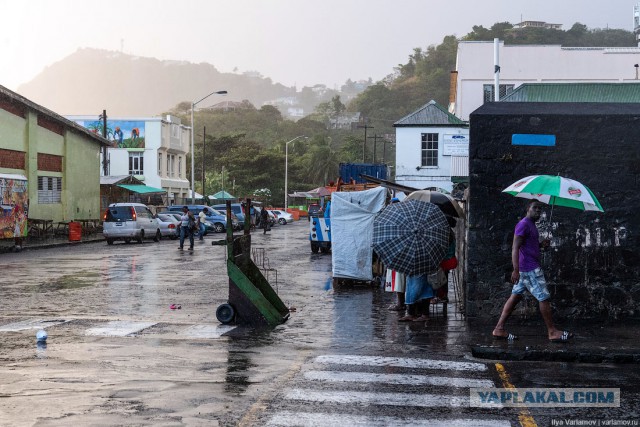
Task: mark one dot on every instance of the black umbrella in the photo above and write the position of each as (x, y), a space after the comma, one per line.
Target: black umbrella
(447, 204)
(411, 237)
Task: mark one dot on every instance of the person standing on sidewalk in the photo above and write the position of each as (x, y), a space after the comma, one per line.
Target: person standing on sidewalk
(186, 227)
(528, 275)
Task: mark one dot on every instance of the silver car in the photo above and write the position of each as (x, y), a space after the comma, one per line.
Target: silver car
(130, 221)
(169, 225)
(283, 217)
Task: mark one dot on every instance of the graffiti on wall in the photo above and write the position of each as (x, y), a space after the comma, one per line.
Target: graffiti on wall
(15, 207)
(122, 133)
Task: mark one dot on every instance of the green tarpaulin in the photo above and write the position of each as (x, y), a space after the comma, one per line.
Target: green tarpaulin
(141, 189)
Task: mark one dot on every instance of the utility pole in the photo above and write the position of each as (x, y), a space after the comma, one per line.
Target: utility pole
(204, 145)
(364, 142)
(385, 141)
(375, 145)
(105, 164)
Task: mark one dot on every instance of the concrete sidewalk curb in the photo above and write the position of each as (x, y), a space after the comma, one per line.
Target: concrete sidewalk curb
(41, 245)
(563, 354)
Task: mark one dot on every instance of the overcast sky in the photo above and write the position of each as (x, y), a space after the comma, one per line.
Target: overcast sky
(294, 42)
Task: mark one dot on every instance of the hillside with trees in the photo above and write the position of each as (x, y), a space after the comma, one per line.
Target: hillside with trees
(425, 76)
(249, 143)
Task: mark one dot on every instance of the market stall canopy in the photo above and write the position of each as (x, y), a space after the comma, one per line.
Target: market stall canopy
(198, 195)
(312, 194)
(222, 195)
(141, 189)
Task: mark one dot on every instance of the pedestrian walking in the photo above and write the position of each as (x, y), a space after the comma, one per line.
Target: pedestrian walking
(264, 220)
(528, 275)
(202, 216)
(186, 227)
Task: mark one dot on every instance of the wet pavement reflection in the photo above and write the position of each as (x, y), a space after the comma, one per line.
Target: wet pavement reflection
(117, 354)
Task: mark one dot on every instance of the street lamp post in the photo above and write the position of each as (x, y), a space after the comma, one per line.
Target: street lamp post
(286, 170)
(193, 180)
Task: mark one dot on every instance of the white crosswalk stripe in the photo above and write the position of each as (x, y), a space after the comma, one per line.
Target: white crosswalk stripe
(364, 377)
(119, 328)
(31, 324)
(400, 362)
(358, 388)
(123, 328)
(206, 331)
(307, 419)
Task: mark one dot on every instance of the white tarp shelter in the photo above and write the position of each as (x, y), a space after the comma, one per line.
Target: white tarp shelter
(352, 215)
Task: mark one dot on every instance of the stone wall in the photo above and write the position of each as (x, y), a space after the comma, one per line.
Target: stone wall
(593, 265)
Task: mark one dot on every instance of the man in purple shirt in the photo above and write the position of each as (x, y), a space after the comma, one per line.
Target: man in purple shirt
(527, 275)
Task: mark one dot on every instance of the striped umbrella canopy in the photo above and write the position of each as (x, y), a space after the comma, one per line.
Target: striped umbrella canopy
(411, 237)
(555, 191)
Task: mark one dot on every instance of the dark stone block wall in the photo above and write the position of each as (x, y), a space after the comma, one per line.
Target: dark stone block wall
(593, 265)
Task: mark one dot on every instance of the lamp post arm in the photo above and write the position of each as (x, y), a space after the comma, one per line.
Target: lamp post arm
(193, 107)
(286, 170)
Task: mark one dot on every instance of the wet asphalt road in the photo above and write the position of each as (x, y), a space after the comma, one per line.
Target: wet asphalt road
(118, 355)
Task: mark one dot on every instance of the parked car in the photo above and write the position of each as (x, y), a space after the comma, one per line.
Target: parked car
(129, 221)
(217, 220)
(283, 217)
(208, 226)
(169, 225)
(236, 209)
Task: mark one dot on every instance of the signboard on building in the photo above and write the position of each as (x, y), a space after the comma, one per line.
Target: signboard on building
(455, 145)
(15, 206)
(123, 133)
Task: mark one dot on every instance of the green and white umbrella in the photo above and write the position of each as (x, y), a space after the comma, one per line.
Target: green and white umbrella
(555, 191)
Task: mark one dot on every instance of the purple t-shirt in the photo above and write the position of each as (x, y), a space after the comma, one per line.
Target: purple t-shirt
(529, 254)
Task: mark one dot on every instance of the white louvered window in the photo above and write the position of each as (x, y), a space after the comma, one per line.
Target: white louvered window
(49, 189)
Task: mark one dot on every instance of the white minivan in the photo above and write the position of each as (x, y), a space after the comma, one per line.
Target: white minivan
(130, 221)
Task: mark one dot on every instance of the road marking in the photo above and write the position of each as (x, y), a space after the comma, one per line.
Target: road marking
(400, 362)
(369, 398)
(251, 417)
(337, 376)
(119, 328)
(31, 324)
(525, 418)
(206, 331)
(290, 419)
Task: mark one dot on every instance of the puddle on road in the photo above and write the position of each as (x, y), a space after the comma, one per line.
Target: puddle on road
(68, 281)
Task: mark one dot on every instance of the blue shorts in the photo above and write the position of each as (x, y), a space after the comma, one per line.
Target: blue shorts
(534, 282)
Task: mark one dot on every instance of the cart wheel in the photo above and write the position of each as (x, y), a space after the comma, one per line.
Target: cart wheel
(225, 313)
(314, 248)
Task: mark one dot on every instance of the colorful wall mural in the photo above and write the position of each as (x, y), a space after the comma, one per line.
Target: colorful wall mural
(15, 206)
(123, 133)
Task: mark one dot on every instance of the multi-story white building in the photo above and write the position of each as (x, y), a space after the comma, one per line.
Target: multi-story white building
(154, 150)
(474, 76)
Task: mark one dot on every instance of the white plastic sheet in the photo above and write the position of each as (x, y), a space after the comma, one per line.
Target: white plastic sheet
(352, 215)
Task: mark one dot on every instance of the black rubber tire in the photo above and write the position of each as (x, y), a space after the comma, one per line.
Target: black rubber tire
(218, 227)
(109, 241)
(282, 221)
(127, 240)
(225, 313)
(314, 248)
(324, 249)
(158, 236)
